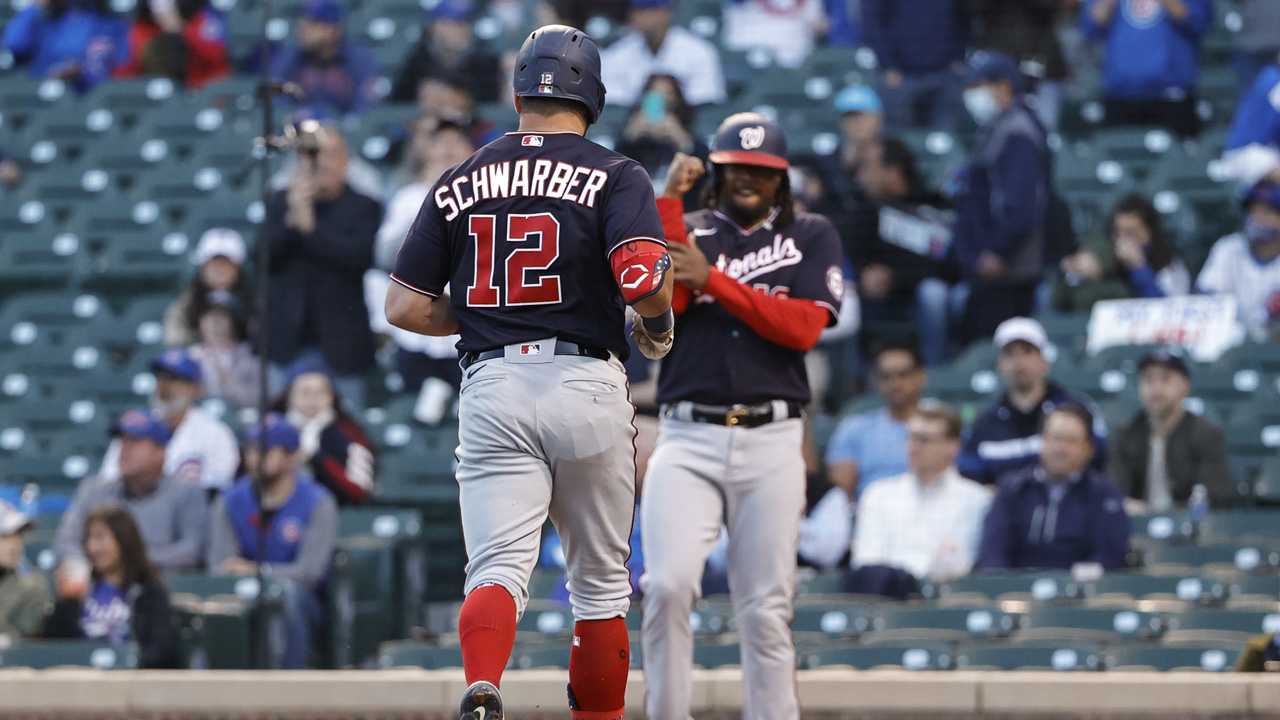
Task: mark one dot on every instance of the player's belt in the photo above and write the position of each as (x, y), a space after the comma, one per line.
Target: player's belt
(744, 416)
(563, 347)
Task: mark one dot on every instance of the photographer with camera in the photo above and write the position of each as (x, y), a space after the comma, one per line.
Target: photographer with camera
(321, 237)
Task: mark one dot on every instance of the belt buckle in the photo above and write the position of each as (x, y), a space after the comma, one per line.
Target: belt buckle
(735, 415)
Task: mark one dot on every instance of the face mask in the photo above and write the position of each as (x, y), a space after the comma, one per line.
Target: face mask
(1259, 234)
(981, 104)
(170, 408)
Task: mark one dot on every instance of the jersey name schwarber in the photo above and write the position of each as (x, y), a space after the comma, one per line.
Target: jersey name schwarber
(521, 178)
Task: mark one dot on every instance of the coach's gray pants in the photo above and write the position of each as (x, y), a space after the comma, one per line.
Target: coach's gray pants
(752, 482)
(548, 435)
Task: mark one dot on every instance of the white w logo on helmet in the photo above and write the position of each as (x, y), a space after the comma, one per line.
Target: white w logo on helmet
(752, 137)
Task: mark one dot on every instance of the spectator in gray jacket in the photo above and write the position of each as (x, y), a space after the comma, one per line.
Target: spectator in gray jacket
(289, 537)
(1165, 451)
(171, 513)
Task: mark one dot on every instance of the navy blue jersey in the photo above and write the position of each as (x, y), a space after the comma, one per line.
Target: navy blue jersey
(718, 359)
(522, 231)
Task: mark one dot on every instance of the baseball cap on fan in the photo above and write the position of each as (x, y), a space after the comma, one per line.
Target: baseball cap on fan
(220, 242)
(142, 425)
(279, 433)
(453, 10)
(1021, 329)
(325, 11)
(859, 99)
(13, 520)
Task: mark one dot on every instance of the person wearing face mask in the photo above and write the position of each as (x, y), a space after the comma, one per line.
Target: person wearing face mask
(219, 258)
(1247, 264)
(1136, 260)
(80, 42)
(1002, 199)
(203, 449)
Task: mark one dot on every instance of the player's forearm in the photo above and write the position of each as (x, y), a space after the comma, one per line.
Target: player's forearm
(790, 322)
(657, 303)
(419, 313)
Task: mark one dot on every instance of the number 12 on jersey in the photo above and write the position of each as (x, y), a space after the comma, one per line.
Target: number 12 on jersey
(541, 233)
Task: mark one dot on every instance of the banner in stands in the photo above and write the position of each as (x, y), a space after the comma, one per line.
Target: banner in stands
(1205, 325)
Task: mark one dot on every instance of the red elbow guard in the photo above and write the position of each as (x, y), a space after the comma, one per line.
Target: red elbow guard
(639, 267)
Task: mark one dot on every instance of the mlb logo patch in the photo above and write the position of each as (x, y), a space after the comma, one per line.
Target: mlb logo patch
(545, 89)
(531, 141)
(548, 78)
(530, 349)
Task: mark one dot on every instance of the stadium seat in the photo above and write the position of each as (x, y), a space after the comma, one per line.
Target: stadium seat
(893, 623)
(541, 654)
(1156, 587)
(1240, 524)
(232, 607)
(546, 619)
(838, 619)
(363, 590)
(1210, 657)
(31, 259)
(415, 653)
(1088, 624)
(403, 527)
(44, 654)
(1211, 558)
(934, 656)
(1266, 489)
(1064, 657)
(1042, 587)
(714, 655)
(1204, 625)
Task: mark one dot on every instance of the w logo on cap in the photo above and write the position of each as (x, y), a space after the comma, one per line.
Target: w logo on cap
(751, 137)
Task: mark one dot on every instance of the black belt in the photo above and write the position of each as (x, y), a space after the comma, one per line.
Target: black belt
(563, 347)
(744, 416)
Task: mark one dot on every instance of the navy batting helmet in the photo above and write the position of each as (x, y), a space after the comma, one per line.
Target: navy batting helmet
(558, 61)
(749, 138)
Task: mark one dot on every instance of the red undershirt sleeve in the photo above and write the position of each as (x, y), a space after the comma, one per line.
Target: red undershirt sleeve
(671, 210)
(789, 322)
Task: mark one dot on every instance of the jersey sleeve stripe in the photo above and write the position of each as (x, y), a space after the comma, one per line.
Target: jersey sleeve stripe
(830, 308)
(613, 249)
(419, 290)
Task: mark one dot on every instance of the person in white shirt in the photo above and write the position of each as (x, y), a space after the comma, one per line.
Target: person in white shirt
(655, 47)
(1247, 264)
(203, 449)
(786, 29)
(926, 522)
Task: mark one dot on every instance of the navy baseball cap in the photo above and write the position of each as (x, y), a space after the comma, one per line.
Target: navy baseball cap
(1265, 193)
(749, 138)
(309, 363)
(858, 99)
(328, 11)
(454, 10)
(1169, 358)
(178, 362)
(142, 425)
(650, 4)
(280, 433)
(993, 66)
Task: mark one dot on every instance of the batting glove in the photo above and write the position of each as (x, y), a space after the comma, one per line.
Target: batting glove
(653, 343)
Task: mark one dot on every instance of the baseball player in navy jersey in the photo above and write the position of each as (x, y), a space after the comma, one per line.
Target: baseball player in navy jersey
(545, 237)
(756, 285)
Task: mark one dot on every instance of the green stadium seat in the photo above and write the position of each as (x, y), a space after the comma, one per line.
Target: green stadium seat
(1063, 657)
(180, 125)
(35, 260)
(232, 606)
(831, 620)
(1249, 355)
(892, 623)
(1138, 149)
(1041, 587)
(363, 589)
(1263, 587)
(714, 655)
(1139, 586)
(229, 635)
(713, 616)
(1089, 625)
(1240, 524)
(403, 527)
(1266, 488)
(935, 656)
(1205, 625)
(138, 263)
(1229, 557)
(415, 653)
(44, 654)
(541, 655)
(546, 619)
(1206, 657)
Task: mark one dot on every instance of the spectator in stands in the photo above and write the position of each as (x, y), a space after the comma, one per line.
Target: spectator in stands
(1003, 199)
(653, 46)
(943, 511)
(1247, 264)
(861, 122)
(1252, 152)
(448, 47)
(1256, 42)
(1152, 59)
(1135, 259)
(1006, 437)
(301, 527)
(219, 257)
(1059, 512)
(332, 444)
(920, 48)
(24, 592)
(448, 99)
(660, 126)
(873, 445)
(229, 369)
(171, 512)
(185, 40)
(202, 449)
(321, 235)
(787, 31)
(337, 75)
(78, 41)
(10, 172)
(122, 598)
(897, 242)
(1027, 32)
(1165, 451)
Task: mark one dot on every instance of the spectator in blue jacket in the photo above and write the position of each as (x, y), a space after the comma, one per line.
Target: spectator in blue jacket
(338, 76)
(301, 520)
(1059, 512)
(78, 41)
(1253, 143)
(1005, 438)
(920, 49)
(1002, 199)
(1151, 61)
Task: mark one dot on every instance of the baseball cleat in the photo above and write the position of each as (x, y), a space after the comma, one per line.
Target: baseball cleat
(481, 701)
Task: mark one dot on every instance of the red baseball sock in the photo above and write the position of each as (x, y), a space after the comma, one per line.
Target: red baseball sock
(598, 669)
(487, 630)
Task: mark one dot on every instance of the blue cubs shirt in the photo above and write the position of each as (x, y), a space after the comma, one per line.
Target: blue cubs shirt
(288, 525)
(718, 359)
(106, 614)
(523, 231)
